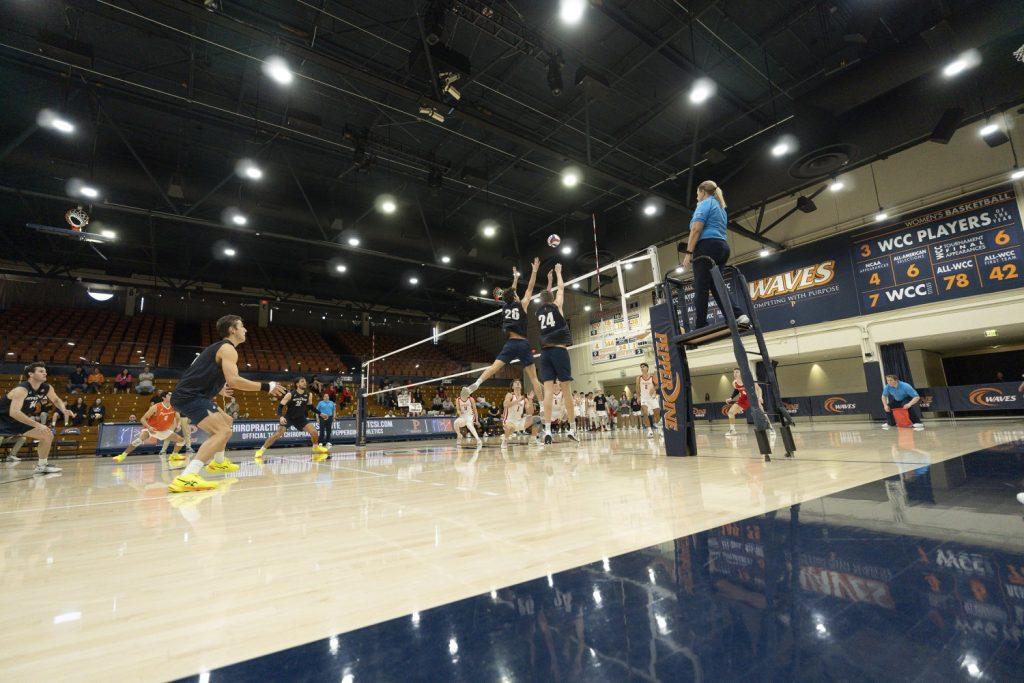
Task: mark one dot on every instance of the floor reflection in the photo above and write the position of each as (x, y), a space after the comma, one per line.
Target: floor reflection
(917, 577)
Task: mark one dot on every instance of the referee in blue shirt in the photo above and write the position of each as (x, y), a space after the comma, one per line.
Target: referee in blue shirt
(707, 238)
(325, 419)
(897, 394)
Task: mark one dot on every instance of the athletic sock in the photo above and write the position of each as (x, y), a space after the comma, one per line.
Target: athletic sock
(194, 466)
(547, 429)
(219, 456)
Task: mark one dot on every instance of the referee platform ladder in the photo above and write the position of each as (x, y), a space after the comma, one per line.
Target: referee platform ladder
(688, 339)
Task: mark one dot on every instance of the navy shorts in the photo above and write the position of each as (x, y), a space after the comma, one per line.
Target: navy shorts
(11, 427)
(195, 409)
(516, 349)
(296, 423)
(554, 364)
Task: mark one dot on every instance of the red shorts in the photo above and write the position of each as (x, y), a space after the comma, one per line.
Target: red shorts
(743, 402)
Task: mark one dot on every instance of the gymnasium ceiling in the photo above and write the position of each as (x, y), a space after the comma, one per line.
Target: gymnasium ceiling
(167, 95)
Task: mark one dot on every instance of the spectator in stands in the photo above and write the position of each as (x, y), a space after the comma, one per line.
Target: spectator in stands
(95, 380)
(132, 418)
(437, 403)
(145, 385)
(1000, 377)
(447, 406)
(344, 398)
(231, 408)
(331, 392)
(123, 381)
(79, 408)
(77, 380)
(97, 411)
(899, 394)
(442, 392)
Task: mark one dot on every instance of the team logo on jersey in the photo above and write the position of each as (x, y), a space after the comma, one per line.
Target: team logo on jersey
(838, 404)
(670, 384)
(986, 397)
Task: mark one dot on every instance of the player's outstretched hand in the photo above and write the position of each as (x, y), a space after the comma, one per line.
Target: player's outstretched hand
(558, 267)
(536, 264)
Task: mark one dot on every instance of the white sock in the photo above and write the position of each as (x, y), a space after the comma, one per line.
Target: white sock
(547, 428)
(219, 456)
(42, 462)
(195, 465)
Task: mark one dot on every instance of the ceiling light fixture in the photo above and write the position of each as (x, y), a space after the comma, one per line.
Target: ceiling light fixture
(587, 307)
(780, 149)
(278, 70)
(446, 259)
(881, 216)
(483, 292)
(989, 129)
(229, 251)
(489, 229)
(962, 62)
(1017, 174)
(571, 11)
(702, 90)
(48, 118)
(570, 177)
(566, 250)
(100, 296)
(765, 252)
(247, 168)
(109, 234)
(353, 241)
(239, 219)
(836, 185)
(341, 268)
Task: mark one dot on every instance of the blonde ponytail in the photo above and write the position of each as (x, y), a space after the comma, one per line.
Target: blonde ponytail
(711, 188)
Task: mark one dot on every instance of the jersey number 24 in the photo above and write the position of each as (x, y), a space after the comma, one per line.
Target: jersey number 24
(547, 320)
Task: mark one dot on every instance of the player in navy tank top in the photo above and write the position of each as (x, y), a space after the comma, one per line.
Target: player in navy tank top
(214, 371)
(513, 323)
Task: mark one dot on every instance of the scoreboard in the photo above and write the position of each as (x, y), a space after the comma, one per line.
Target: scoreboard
(966, 248)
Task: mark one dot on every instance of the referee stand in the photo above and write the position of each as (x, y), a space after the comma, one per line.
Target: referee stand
(684, 338)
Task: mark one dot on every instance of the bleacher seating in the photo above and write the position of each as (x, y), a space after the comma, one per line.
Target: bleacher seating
(60, 335)
(280, 348)
(252, 405)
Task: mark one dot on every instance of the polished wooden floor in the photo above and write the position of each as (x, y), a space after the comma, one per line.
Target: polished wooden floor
(106, 576)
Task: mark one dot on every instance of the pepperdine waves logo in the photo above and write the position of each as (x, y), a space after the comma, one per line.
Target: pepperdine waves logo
(838, 404)
(670, 384)
(987, 397)
(793, 281)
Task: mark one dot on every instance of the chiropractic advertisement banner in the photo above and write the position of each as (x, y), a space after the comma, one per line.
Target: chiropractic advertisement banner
(115, 437)
(971, 245)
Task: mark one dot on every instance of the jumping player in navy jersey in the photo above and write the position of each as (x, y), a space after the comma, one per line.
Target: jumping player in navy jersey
(517, 347)
(18, 403)
(555, 340)
(214, 371)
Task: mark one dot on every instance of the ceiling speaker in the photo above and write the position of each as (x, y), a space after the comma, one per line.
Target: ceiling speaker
(947, 125)
(823, 162)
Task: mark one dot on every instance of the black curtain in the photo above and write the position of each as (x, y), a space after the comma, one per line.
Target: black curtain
(895, 361)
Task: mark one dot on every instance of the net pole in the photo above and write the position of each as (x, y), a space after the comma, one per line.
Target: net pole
(597, 264)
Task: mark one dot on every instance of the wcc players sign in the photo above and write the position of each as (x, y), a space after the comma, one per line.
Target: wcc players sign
(960, 249)
(972, 245)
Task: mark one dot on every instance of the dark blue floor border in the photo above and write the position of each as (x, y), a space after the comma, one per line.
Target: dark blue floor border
(789, 595)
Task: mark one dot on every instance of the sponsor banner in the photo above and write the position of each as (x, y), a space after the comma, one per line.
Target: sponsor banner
(848, 403)
(934, 399)
(115, 437)
(994, 396)
(798, 406)
(675, 398)
(716, 410)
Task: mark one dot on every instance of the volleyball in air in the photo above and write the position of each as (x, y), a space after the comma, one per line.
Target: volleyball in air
(554, 240)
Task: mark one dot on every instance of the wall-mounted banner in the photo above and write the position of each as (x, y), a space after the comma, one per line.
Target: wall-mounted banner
(968, 246)
(115, 437)
(848, 403)
(994, 396)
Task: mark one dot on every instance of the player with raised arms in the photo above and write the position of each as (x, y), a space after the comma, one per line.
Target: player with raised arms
(555, 365)
(517, 347)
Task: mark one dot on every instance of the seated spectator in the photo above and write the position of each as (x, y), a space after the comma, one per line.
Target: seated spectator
(95, 380)
(345, 397)
(79, 408)
(97, 411)
(437, 403)
(132, 418)
(145, 385)
(77, 380)
(123, 381)
(231, 408)
(448, 407)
